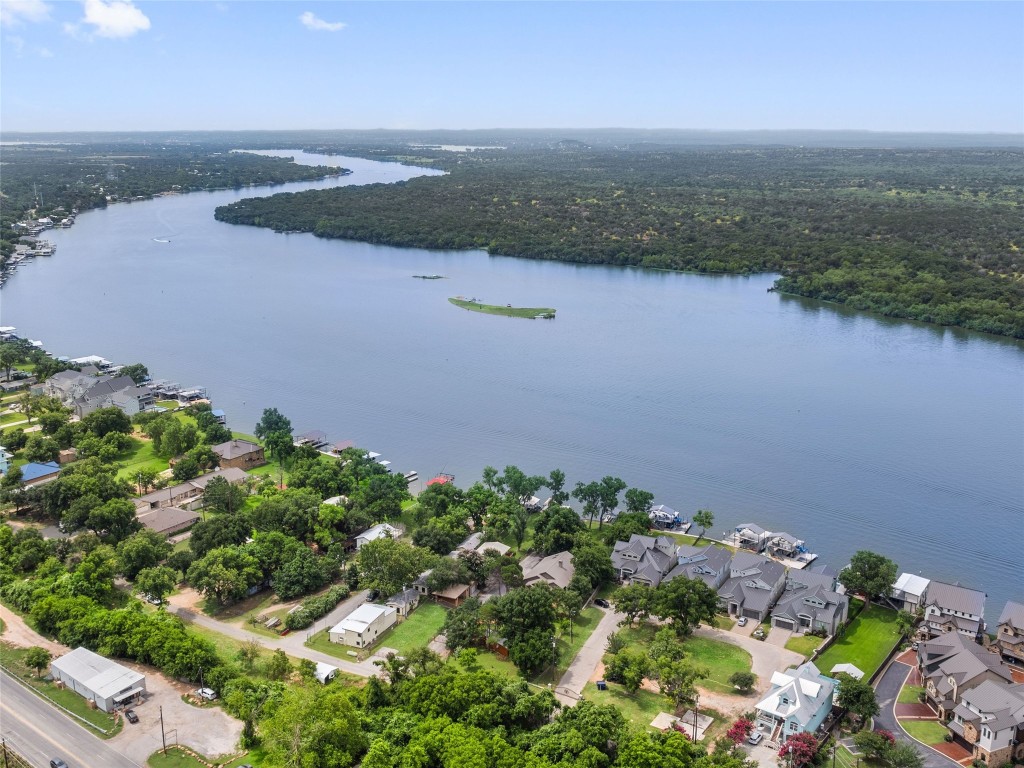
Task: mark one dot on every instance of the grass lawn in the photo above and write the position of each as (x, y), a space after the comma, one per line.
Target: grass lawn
(499, 666)
(910, 694)
(14, 660)
(417, 631)
(174, 758)
(137, 458)
(321, 641)
(865, 643)
(845, 758)
(925, 731)
(168, 404)
(805, 645)
(639, 708)
(724, 621)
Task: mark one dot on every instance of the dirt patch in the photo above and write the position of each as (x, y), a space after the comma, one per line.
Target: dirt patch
(17, 632)
(952, 751)
(922, 711)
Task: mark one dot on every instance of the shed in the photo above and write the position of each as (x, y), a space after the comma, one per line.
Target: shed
(325, 672)
(98, 679)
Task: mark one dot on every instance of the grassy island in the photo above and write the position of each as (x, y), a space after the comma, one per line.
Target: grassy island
(508, 311)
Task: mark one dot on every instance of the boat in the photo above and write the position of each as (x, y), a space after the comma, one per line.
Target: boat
(160, 240)
(429, 277)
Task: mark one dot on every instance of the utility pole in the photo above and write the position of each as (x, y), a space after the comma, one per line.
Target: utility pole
(696, 706)
(554, 658)
(3, 743)
(163, 736)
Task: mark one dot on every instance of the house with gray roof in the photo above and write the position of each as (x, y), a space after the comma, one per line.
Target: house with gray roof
(952, 608)
(186, 495)
(909, 592)
(710, 564)
(644, 559)
(748, 536)
(405, 601)
(1010, 633)
(556, 570)
(753, 586)
(798, 702)
(809, 603)
(240, 453)
(952, 664)
(989, 720)
(167, 520)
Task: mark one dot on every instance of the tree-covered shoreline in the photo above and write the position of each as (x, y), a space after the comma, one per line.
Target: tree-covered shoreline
(928, 234)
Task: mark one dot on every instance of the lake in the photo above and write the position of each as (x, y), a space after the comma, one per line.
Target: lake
(848, 430)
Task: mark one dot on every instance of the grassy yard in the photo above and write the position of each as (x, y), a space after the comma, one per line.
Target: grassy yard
(925, 731)
(865, 643)
(844, 758)
(137, 458)
(321, 641)
(170, 405)
(639, 708)
(805, 645)
(14, 660)
(909, 694)
(417, 631)
(175, 758)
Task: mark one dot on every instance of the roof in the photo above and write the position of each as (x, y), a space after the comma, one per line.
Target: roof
(454, 592)
(757, 530)
(1002, 706)
(404, 597)
(362, 617)
(494, 546)
(849, 669)
(377, 531)
(798, 694)
(952, 655)
(557, 569)
(908, 582)
(234, 449)
(35, 470)
(439, 480)
(952, 597)
(1013, 614)
(105, 678)
(167, 518)
(231, 474)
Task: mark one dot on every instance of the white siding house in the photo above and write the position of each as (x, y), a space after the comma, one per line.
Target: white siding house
(98, 679)
(364, 625)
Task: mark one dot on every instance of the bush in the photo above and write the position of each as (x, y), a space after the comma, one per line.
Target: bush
(316, 607)
(743, 680)
(615, 642)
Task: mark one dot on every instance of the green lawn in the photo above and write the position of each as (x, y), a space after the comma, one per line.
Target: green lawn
(174, 758)
(417, 631)
(639, 708)
(865, 643)
(925, 731)
(139, 457)
(910, 694)
(499, 666)
(844, 758)
(805, 645)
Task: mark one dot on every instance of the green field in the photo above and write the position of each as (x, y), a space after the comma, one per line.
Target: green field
(865, 643)
(909, 694)
(417, 631)
(174, 758)
(639, 708)
(925, 731)
(805, 645)
(139, 457)
(506, 311)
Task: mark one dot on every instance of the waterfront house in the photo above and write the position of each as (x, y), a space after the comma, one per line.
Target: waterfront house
(989, 720)
(809, 603)
(377, 532)
(798, 702)
(644, 559)
(748, 536)
(1010, 633)
(106, 683)
(953, 664)
(38, 473)
(556, 570)
(364, 625)
(240, 453)
(188, 494)
(952, 608)
(753, 586)
(909, 592)
(710, 564)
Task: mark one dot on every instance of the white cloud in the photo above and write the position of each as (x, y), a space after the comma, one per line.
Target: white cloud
(113, 18)
(45, 53)
(312, 22)
(15, 12)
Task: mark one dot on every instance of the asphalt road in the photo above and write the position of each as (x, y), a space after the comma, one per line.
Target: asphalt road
(886, 690)
(39, 732)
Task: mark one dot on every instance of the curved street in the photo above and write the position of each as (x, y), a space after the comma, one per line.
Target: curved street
(886, 690)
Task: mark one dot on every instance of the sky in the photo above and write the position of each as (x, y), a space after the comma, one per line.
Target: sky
(102, 65)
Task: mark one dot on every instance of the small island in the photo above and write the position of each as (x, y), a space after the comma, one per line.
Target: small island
(533, 313)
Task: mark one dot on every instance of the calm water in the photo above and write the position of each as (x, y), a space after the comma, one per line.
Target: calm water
(848, 430)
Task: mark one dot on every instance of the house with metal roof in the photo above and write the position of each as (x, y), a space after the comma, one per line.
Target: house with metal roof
(364, 625)
(909, 592)
(952, 608)
(1010, 633)
(98, 679)
(952, 664)
(810, 603)
(378, 531)
(798, 702)
(748, 536)
(37, 473)
(989, 720)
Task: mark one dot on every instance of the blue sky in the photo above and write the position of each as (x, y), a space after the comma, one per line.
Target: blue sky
(107, 65)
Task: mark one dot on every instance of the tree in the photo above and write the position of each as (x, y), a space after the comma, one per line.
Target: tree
(638, 501)
(739, 730)
(272, 421)
(799, 749)
(220, 531)
(685, 603)
(185, 468)
(137, 371)
(869, 574)
(41, 448)
(589, 495)
(143, 549)
(278, 667)
(556, 484)
(903, 755)
(520, 485)
(225, 574)
(857, 697)
(279, 445)
(222, 496)
(568, 605)
(462, 628)
(705, 518)
(156, 582)
(102, 421)
(610, 487)
(744, 681)
(389, 565)
(115, 520)
(677, 679)
(633, 600)
(314, 727)
(625, 525)
(629, 668)
(302, 574)
(37, 658)
(556, 529)
(906, 622)
(874, 744)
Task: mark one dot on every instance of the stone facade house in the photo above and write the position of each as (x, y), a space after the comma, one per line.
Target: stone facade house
(241, 454)
(951, 665)
(990, 720)
(1010, 633)
(952, 608)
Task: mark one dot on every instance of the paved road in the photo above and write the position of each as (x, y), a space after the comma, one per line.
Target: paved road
(581, 669)
(40, 732)
(886, 690)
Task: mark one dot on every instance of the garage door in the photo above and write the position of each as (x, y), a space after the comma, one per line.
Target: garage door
(784, 624)
(750, 613)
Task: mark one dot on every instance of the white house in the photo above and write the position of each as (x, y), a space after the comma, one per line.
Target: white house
(990, 719)
(910, 591)
(98, 679)
(376, 532)
(364, 625)
(952, 608)
(799, 701)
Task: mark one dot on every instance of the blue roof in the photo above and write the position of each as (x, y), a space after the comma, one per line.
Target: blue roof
(34, 470)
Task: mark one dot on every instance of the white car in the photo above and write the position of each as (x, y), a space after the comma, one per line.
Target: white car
(206, 693)
(755, 737)
(742, 621)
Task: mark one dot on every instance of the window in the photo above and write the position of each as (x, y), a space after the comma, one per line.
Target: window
(793, 726)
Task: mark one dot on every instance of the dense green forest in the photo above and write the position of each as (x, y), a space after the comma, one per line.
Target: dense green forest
(927, 234)
(52, 180)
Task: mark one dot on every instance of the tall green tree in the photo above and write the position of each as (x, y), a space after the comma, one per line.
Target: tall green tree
(705, 518)
(869, 574)
(272, 421)
(685, 603)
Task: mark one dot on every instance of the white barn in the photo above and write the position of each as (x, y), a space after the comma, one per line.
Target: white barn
(98, 679)
(364, 625)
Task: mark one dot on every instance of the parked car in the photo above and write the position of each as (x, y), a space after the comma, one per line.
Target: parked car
(130, 716)
(600, 601)
(206, 693)
(742, 621)
(153, 600)
(759, 633)
(58, 763)
(373, 595)
(755, 737)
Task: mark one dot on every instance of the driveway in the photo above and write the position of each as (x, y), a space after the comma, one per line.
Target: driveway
(764, 756)
(886, 690)
(581, 669)
(778, 636)
(744, 631)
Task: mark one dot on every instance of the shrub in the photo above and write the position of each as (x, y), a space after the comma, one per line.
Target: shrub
(315, 607)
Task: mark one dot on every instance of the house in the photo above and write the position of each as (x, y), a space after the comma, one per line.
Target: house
(220, 416)
(35, 473)
(1010, 634)
(167, 520)
(240, 453)
(67, 455)
(787, 548)
(556, 570)
(364, 625)
(952, 608)
(494, 546)
(188, 494)
(98, 679)
(809, 603)
(748, 536)
(909, 592)
(710, 564)
(5, 460)
(404, 602)
(753, 586)
(644, 559)
(990, 720)
(953, 664)
(377, 532)
(420, 585)
(452, 596)
(798, 702)
(325, 672)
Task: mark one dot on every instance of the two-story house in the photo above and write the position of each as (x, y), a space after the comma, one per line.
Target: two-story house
(953, 664)
(810, 603)
(990, 719)
(1010, 634)
(798, 702)
(909, 592)
(644, 559)
(753, 586)
(710, 564)
(748, 536)
(952, 608)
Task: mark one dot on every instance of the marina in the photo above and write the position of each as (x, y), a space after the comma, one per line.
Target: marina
(780, 546)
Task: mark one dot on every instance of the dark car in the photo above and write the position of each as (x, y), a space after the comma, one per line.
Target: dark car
(130, 716)
(58, 763)
(373, 595)
(601, 602)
